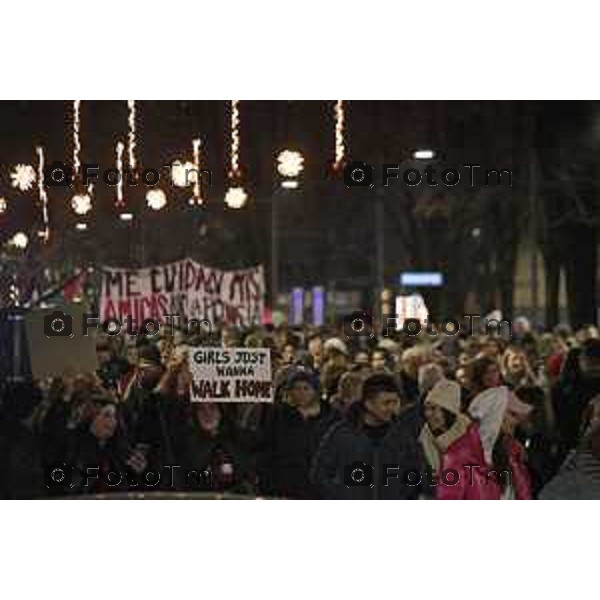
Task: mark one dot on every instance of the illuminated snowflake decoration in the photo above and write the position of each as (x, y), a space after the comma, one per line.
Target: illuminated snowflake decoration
(156, 199)
(3, 205)
(19, 240)
(290, 163)
(23, 177)
(236, 197)
(183, 174)
(81, 204)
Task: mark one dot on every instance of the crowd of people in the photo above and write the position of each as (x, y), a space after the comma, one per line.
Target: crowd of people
(487, 416)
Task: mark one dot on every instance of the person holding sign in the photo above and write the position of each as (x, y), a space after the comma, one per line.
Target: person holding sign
(289, 437)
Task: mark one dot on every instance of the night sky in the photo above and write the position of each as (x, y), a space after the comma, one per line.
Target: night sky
(321, 218)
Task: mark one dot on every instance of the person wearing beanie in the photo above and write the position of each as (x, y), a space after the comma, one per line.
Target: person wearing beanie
(451, 442)
(373, 436)
(288, 438)
(498, 412)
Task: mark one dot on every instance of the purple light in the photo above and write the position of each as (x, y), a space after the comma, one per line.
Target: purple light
(318, 306)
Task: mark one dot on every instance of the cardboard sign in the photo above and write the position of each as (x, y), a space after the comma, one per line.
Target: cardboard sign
(185, 288)
(230, 375)
(66, 349)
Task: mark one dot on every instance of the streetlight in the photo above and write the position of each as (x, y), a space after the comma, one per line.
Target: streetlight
(424, 154)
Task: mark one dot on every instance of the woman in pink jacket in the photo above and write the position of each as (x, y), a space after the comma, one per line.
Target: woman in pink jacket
(452, 445)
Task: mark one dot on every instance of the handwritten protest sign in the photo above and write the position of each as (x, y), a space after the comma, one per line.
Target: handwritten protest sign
(230, 375)
(185, 288)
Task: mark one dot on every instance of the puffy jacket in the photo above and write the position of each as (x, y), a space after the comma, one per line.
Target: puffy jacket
(346, 444)
(474, 482)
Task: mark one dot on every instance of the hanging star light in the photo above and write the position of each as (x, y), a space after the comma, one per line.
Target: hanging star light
(183, 174)
(290, 163)
(340, 148)
(3, 205)
(23, 177)
(156, 199)
(81, 204)
(19, 240)
(236, 197)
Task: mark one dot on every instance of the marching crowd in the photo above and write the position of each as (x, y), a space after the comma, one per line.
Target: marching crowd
(486, 416)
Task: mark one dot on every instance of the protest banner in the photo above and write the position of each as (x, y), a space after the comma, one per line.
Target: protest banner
(230, 375)
(184, 288)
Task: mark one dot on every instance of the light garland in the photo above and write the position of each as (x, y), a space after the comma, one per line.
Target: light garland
(45, 233)
(197, 189)
(131, 137)
(23, 177)
(340, 148)
(76, 140)
(3, 205)
(235, 139)
(119, 166)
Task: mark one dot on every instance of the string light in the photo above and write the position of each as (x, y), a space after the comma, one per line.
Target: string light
(45, 233)
(23, 177)
(156, 199)
(3, 205)
(340, 148)
(236, 197)
(132, 142)
(119, 165)
(235, 139)
(197, 191)
(76, 140)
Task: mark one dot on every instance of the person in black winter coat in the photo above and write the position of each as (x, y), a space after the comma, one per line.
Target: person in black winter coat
(374, 453)
(289, 438)
(21, 475)
(102, 459)
(211, 446)
(578, 384)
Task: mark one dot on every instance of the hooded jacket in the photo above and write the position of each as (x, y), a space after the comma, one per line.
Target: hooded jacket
(488, 408)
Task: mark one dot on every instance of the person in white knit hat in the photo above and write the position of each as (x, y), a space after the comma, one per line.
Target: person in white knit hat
(452, 446)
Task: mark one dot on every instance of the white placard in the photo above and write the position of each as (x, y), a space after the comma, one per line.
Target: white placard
(230, 375)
